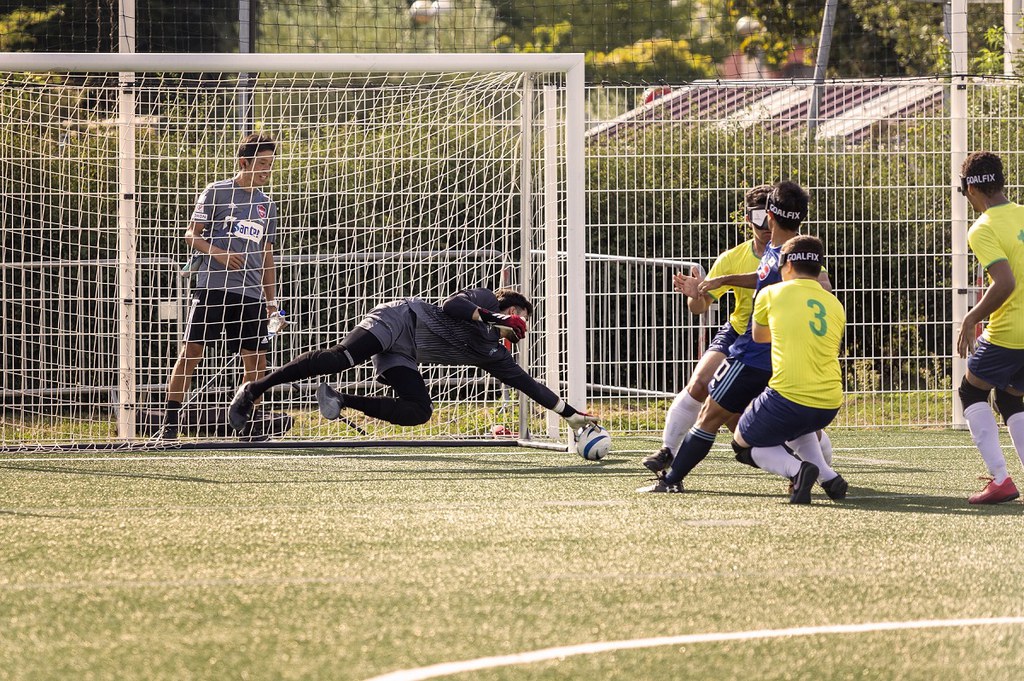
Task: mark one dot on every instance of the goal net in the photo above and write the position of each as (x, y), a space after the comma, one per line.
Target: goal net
(396, 176)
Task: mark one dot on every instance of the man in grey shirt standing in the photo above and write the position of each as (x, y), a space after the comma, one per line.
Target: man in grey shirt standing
(233, 228)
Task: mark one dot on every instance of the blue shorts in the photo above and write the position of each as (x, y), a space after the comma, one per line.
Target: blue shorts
(735, 385)
(723, 339)
(771, 419)
(997, 365)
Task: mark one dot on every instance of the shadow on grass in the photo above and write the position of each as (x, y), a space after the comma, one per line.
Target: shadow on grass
(868, 499)
(71, 470)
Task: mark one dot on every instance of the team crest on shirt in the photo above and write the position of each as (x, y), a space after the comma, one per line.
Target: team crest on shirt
(765, 268)
(262, 210)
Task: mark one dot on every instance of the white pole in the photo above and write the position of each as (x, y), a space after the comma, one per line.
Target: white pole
(958, 152)
(576, 238)
(1011, 33)
(526, 233)
(552, 326)
(126, 254)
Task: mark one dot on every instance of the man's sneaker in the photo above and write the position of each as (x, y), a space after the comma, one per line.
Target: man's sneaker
(659, 461)
(996, 494)
(835, 488)
(330, 400)
(167, 432)
(803, 482)
(240, 408)
(661, 487)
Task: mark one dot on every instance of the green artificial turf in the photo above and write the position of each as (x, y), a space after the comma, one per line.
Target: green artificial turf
(348, 565)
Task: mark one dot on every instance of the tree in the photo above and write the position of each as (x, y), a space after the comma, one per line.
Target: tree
(870, 38)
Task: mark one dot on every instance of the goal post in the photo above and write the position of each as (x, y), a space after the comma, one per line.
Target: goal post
(397, 176)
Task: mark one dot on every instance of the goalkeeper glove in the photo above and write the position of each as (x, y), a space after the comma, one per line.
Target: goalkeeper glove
(580, 419)
(510, 321)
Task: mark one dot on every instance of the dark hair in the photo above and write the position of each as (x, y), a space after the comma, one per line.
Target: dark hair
(788, 204)
(758, 196)
(254, 143)
(509, 297)
(805, 253)
(983, 170)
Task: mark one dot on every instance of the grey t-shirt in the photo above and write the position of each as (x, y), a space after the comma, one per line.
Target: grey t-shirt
(239, 221)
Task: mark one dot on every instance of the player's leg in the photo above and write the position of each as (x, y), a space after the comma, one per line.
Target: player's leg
(358, 347)
(204, 323)
(1010, 404)
(684, 411)
(986, 367)
(765, 426)
(412, 407)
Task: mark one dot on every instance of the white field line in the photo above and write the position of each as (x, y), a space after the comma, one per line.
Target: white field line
(449, 668)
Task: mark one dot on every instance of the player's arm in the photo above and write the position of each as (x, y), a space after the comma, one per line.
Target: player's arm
(760, 332)
(196, 241)
(269, 278)
(1003, 285)
(824, 280)
(748, 280)
(511, 374)
(479, 305)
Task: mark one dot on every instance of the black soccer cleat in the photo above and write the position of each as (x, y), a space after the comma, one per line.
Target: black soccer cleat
(835, 488)
(661, 487)
(803, 482)
(240, 408)
(168, 432)
(331, 402)
(658, 461)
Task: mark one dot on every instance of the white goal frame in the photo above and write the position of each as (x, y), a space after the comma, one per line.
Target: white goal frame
(569, 225)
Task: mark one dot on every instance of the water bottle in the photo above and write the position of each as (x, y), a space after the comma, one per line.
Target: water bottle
(275, 324)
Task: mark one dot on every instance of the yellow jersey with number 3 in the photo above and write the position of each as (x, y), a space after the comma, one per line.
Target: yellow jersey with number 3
(999, 235)
(739, 259)
(806, 323)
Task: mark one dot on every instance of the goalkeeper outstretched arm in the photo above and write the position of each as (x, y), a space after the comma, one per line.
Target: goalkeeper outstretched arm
(512, 375)
(479, 305)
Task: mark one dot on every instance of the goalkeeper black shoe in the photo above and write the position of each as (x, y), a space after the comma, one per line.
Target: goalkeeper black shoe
(168, 432)
(331, 402)
(803, 482)
(240, 408)
(835, 488)
(659, 461)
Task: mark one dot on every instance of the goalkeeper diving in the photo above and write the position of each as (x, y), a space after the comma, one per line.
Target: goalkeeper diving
(466, 329)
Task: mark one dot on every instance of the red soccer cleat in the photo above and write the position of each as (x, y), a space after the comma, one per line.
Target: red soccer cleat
(995, 494)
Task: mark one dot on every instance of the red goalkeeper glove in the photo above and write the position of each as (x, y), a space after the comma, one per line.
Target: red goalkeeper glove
(514, 323)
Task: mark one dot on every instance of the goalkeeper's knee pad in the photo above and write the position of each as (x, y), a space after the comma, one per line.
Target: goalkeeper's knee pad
(971, 394)
(1008, 404)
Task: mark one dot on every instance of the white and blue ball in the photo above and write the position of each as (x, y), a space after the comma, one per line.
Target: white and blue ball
(593, 442)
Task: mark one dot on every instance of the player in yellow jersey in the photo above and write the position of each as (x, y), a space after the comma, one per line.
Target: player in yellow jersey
(997, 359)
(745, 257)
(804, 324)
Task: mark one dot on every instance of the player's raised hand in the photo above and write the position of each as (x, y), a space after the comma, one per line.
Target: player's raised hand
(687, 284)
(514, 323)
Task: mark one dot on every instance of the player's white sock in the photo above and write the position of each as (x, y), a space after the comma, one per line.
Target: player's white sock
(808, 449)
(1015, 424)
(681, 416)
(985, 432)
(826, 446)
(776, 460)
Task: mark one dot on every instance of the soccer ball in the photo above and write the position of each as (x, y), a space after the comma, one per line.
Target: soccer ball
(593, 442)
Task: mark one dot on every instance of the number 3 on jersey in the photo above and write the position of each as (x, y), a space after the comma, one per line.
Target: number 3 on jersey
(818, 325)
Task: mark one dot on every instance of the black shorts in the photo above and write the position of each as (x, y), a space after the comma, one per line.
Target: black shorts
(214, 311)
(735, 385)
